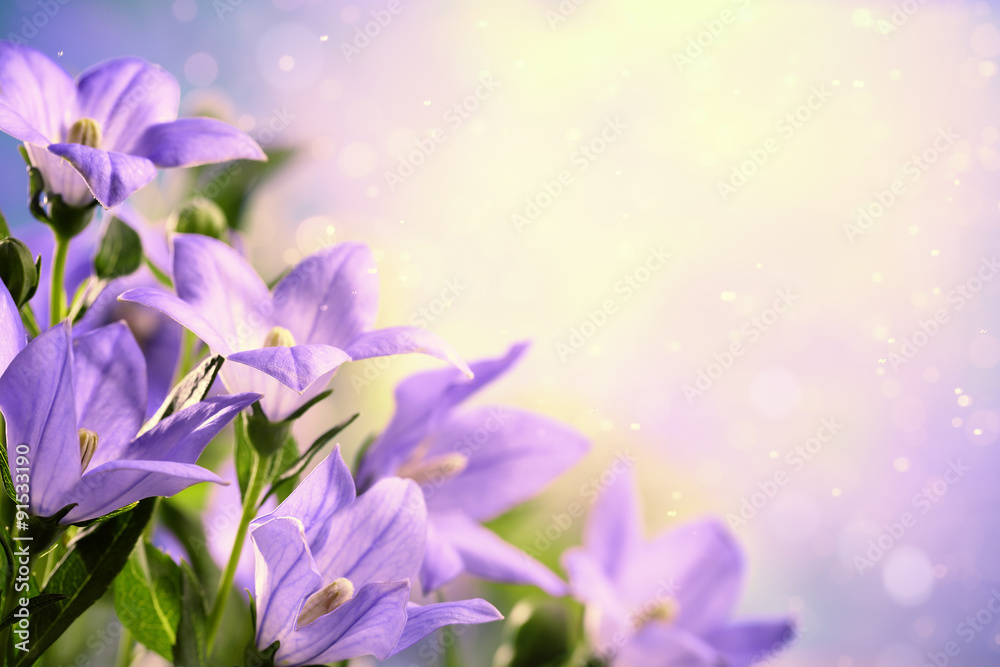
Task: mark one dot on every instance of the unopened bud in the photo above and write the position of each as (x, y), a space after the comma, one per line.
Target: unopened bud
(325, 600)
(88, 445)
(17, 270)
(200, 216)
(85, 131)
(279, 337)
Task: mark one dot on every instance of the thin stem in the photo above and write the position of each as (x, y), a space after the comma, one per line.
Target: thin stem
(30, 323)
(186, 361)
(125, 646)
(258, 476)
(57, 300)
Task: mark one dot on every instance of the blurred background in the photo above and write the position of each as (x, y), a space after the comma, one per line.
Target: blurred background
(753, 242)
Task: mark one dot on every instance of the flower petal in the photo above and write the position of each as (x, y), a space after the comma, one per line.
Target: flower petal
(34, 94)
(109, 378)
(614, 528)
(379, 537)
(422, 400)
(442, 562)
(12, 336)
(112, 177)
(326, 490)
(330, 296)
(285, 577)
(369, 623)
(591, 585)
(512, 455)
(179, 311)
(190, 142)
(46, 423)
(746, 644)
(125, 96)
(487, 556)
(423, 620)
(296, 367)
(117, 484)
(701, 562)
(405, 340)
(224, 289)
(660, 644)
(184, 435)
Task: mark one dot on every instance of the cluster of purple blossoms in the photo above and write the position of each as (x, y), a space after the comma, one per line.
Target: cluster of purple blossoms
(344, 563)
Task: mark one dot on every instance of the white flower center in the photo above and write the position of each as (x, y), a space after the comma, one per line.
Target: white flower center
(88, 445)
(279, 337)
(325, 600)
(86, 132)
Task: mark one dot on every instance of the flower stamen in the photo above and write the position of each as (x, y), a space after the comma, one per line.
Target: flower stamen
(660, 611)
(325, 600)
(88, 446)
(435, 469)
(279, 337)
(86, 132)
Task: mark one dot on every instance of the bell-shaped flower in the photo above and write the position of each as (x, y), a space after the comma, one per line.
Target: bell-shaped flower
(333, 571)
(105, 134)
(665, 601)
(12, 335)
(472, 466)
(285, 343)
(73, 408)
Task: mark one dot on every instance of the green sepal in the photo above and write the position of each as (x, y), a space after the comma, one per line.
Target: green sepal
(302, 462)
(255, 657)
(189, 391)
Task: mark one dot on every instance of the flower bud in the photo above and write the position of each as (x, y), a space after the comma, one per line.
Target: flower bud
(18, 270)
(200, 216)
(86, 132)
(325, 600)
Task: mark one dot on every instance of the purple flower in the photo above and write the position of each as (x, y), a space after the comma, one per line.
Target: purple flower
(666, 601)
(158, 336)
(333, 571)
(73, 408)
(104, 135)
(472, 467)
(318, 317)
(12, 336)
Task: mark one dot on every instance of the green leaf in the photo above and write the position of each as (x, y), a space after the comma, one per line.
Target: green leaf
(191, 534)
(305, 406)
(34, 605)
(84, 574)
(148, 598)
(303, 461)
(4, 229)
(120, 252)
(246, 456)
(192, 389)
(8, 483)
(231, 185)
(189, 649)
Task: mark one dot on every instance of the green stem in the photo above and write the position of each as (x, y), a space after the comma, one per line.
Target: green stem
(125, 645)
(57, 300)
(186, 362)
(30, 323)
(258, 476)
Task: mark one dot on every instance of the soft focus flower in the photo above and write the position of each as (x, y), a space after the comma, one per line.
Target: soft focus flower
(333, 571)
(76, 405)
(472, 467)
(318, 317)
(104, 135)
(666, 601)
